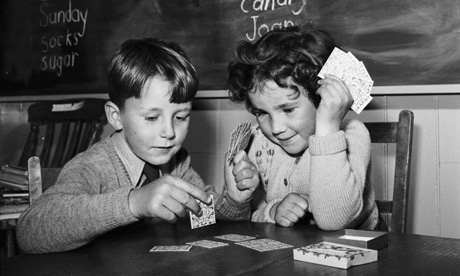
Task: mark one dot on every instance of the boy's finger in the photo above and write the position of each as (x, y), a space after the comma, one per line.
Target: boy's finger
(185, 200)
(192, 190)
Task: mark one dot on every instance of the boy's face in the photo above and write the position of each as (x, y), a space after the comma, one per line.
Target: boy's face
(284, 116)
(153, 127)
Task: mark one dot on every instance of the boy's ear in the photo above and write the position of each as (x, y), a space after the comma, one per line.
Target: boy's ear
(113, 114)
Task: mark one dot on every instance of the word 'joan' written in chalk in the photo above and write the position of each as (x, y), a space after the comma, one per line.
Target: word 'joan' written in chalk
(259, 6)
(54, 57)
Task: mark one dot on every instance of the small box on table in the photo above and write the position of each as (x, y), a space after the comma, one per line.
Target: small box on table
(335, 255)
(360, 238)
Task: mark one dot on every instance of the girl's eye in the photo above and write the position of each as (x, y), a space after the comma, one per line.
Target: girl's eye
(288, 110)
(259, 113)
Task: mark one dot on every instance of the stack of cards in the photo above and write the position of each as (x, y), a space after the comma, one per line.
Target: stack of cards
(353, 73)
(208, 215)
(250, 242)
(262, 245)
(239, 139)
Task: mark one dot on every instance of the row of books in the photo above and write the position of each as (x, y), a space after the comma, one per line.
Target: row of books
(14, 192)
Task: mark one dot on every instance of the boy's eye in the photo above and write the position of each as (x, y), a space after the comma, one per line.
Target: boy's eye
(182, 117)
(151, 118)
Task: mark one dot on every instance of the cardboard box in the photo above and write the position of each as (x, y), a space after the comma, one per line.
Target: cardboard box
(360, 238)
(335, 255)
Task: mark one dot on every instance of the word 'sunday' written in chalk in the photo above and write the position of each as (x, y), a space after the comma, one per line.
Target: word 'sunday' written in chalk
(54, 58)
(260, 6)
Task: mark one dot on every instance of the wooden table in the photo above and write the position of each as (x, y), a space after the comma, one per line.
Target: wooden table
(126, 252)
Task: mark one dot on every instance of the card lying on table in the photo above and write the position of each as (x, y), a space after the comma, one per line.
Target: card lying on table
(171, 248)
(353, 73)
(335, 255)
(208, 215)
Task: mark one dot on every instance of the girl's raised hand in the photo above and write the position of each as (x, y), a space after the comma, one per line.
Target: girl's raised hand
(336, 100)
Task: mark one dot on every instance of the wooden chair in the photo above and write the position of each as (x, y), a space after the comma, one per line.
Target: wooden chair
(39, 179)
(61, 129)
(401, 133)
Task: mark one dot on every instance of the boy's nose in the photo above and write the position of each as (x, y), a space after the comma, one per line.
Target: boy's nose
(167, 130)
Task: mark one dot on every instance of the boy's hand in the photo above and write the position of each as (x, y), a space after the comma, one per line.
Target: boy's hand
(241, 177)
(336, 100)
(167, 198)
(293, 207)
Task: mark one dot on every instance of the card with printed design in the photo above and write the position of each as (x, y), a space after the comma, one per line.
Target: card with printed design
(353, 73)
(171, 248)
(262, 245)
(234, 237)
(208, 216)
(208, 243)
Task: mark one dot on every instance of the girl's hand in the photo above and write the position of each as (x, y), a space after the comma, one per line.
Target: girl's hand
(336, 100)
(292, 208)
(241, 177)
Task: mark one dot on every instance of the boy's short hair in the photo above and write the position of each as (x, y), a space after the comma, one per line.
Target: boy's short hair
(277, 55)
(138, 60)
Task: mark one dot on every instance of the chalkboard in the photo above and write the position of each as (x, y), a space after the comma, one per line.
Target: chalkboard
(63, 46)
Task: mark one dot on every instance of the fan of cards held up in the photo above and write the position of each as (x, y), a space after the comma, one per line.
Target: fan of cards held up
(353, 73)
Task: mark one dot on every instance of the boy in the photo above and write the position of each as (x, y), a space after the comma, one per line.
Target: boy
(152, 85)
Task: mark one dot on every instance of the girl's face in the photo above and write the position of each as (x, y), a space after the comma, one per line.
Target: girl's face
(287, 117)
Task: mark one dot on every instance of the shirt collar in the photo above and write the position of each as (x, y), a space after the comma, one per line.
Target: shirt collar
(133, 164)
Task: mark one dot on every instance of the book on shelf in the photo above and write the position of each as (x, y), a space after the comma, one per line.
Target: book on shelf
(13, 185)
(13, 208)
(15, 170)
(10, 216)
(12, 177)
(335, 255)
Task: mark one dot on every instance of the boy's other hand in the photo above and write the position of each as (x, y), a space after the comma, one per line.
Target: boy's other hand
(292, 208)
(167, 198)
(241, 177)
(336, 100)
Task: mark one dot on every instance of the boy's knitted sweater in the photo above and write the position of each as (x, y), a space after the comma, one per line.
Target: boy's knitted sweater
(90, 198)
(334, 172)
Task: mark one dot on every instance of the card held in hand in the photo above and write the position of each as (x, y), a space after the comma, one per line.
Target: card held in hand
(208, 216)
(353, 73)
(239, 139)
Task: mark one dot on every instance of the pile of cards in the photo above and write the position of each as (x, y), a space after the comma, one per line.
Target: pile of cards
(353, 73)
(239, 139)
(208, 216)
(250, 242)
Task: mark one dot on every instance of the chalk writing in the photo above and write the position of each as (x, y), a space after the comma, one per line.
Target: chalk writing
(53, 58)
(260, 6)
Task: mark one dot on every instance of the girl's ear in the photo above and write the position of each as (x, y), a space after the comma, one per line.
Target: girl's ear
(113, 114)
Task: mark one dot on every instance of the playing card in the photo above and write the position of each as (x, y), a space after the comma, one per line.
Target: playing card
(235, 237)
(239, 139)
(262, 245)
(170, 248)
(353, 73)
(208, 215)
(208, 243)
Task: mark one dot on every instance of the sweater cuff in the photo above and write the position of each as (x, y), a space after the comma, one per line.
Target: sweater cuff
(268, 208)
(330, 144)
(232, 210)
(116, 208)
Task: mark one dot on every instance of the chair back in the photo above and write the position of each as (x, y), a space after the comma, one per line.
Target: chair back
(400, 133)
(40, 178)
(61, 129)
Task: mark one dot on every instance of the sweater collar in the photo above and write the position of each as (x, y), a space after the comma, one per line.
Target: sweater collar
(133, 164)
